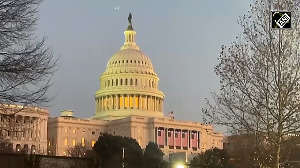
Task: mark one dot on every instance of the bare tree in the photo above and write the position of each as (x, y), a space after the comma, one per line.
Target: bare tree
(260, 79)
(77, 151)
(26, 65)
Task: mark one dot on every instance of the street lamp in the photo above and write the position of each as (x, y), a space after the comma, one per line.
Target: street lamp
(123, 157)
(179, 166)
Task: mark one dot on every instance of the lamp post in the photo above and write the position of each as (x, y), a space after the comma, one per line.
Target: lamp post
(123, 157)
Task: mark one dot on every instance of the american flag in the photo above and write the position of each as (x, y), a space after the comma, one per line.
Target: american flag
(171, 114)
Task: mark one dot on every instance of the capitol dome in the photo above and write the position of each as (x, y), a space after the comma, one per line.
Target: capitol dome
(129, 85)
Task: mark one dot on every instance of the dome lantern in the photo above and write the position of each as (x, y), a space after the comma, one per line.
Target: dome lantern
(129, 36)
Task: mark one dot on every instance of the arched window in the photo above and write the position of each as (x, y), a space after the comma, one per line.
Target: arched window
(112, 82)
(152, 83)
(149, 83)
(126, 61)
(136, 82)
(116, 82)
(126, 81)
(108, 83)
(121, 82)
(131, 82)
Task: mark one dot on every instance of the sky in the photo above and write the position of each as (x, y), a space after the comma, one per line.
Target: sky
(183, 39)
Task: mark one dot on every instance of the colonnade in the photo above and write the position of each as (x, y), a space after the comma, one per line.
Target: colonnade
(173, 134)
(129, 101)
(25, 127)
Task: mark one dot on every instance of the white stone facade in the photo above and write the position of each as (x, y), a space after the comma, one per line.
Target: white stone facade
(24, 128)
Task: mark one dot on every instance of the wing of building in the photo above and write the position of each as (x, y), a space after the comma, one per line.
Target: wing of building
(129, 103)
(23, 129)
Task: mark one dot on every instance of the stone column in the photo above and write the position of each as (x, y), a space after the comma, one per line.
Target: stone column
(180, 138)
(128, 100)
(156, 109)
(174, 138)
(38, 128)
(99, 104)
(117, 101)
(159, 104)
(45, 128)
(112, 102)
(31, 135)
(102, 103)
(149, 102)
(139, 96)
(123, 101)
(133, 99)
(26, 128)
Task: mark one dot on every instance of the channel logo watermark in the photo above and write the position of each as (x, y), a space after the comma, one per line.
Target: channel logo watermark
(281, 20)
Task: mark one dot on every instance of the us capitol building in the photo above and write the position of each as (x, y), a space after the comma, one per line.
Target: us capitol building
(129, 103)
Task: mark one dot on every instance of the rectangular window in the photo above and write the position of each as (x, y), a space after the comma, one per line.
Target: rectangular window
(66, 142)
(93, 143)
(74, 131)
(176, 134)
(159, 133)
(169, 134)
(82, 142)
(73, 142)
(193, 136)
(66, 130)
(183, 135)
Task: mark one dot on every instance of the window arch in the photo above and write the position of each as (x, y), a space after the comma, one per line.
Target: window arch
(121, 82)
(126, 81)
(131, 82)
